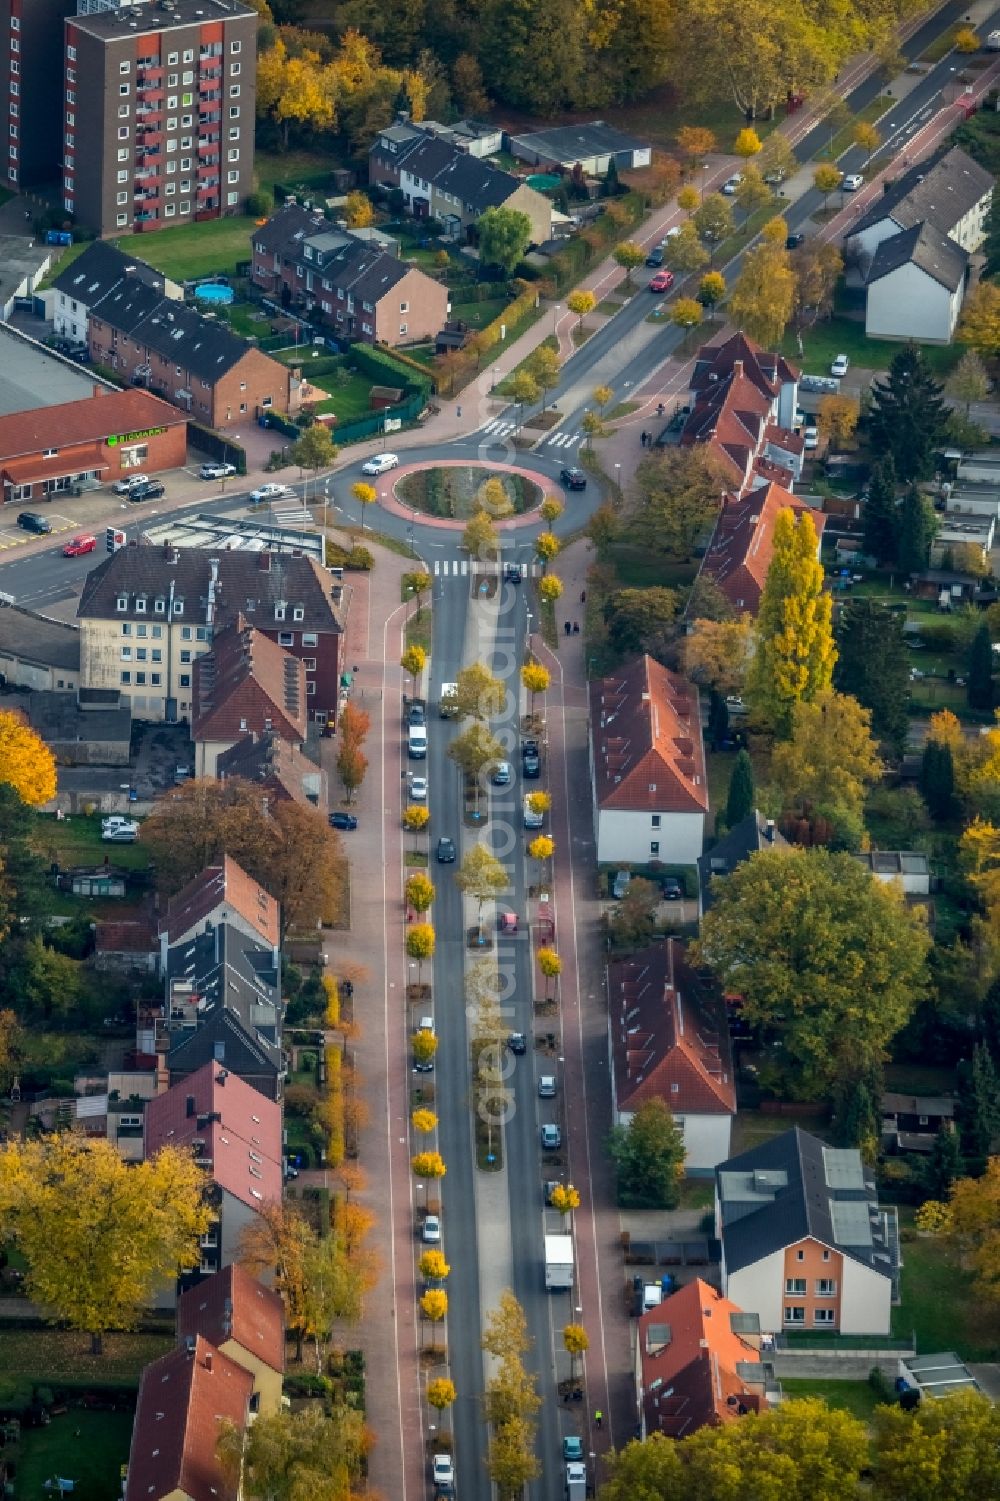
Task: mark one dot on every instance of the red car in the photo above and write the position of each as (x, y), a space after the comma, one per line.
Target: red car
(77, 546)
(662, 281)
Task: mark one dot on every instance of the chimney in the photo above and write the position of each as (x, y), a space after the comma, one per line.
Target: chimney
(170, 553)
(222, 1076)
(208, 1360)
(264, 561)
(190, 1105)
(769, 831)
(737, 368)
(96, 391)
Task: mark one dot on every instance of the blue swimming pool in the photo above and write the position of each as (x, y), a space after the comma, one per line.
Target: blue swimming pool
(211, 291)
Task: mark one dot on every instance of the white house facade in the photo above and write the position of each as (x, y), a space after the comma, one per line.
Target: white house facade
(910, 303)
(626, 838)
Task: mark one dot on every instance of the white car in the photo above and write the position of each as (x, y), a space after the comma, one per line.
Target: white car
(671, 234)
(840, 366)
(431, 1230)
(444, 1470)
(426, 1024)
(129, 483)
(121, 833)
(380, 463)
(418, 789)
(216, 471)
(810, 438)
(731, 187)
(852, 181)
(269, 492)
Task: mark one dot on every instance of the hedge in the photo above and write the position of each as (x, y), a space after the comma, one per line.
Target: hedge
(335, 1109)
(384, 367)
(593, 243)
(218, 447)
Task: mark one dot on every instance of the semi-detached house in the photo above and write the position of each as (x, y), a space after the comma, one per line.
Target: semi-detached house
(360, 290)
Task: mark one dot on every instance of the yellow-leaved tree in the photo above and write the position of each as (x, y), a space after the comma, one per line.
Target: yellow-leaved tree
(25, 761)
(99, 1234)
(794, 651)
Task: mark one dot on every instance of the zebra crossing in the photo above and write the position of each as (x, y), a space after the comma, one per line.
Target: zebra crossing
(499, 429)
(559, 439)
(462, 567)
(292, 515)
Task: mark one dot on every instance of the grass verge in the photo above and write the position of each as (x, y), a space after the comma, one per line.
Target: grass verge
(839, 335)
(843, 138)
(418, 629)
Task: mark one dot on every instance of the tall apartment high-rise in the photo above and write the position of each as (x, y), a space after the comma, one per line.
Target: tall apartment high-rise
(158, 112)
(31, 67)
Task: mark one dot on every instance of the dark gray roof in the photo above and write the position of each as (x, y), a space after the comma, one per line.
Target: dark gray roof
(288, 225)
(244, 1054)
(360, 267)
(754, 833)
(39, 640)
(926, 248)
(795, 1186)
(477, 184)
(941, 191)
(125, 20)
(227, 969)
(251, 583)
(199, 345)
(102, 266)
(571, 143)
(59, 720)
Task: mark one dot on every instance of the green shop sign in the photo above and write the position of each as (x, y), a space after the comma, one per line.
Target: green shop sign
(147, 432)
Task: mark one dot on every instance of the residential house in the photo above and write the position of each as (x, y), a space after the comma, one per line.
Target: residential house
(129, 946)
(237, 1134)
(147, 613)
(697, 1364)
(742, 545)
(913, 246)
(245, 1321)
(592, 146)
(37, 651)
(219, 378)
(915, 286)
(470, 136)
(91, 727)
(910, 1123)
(669, 1040)
(90, 277)
(753, 833)
(224, 1038)
(221, 893)
(804, 1242)
(647, 766)
(965, 538)
(743, 409)
(222, 969)
(246, 684)
(359, 290)
(910, 868)
(185, 1398)
(283, 771)
(440, 179)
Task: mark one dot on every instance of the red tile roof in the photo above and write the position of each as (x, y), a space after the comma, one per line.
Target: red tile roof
(240, 1129)
(646, 734)
(135, 937)
(248, 684)
(742, 544)
(715, 362)
(668, 1035)
(184, 1397)
(731, 418)
(270, 762)
(94, 418)
(688, 1356)
(232, 1305)
(222, 885)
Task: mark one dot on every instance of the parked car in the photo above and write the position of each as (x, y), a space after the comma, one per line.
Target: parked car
(30, 521)
(793, 241)
(840, 366)
(418, 789)
(822, 383)
(572, 1447)
(518, 1044)
(77, 546)
(431, 1230)
(345, 821)
(731, 186)
(502, 774)
(508, 924)
(671, 234)
(662, 281)
(151, 490)
(671, 889)
(126, 832)
(115, 821)
(532, 820)
(655, 256)
(547, 1087)
(810, 438)
(852, 181)
(621, 884)
(216, 471)
(551, 1138)
(446, 851)
(380, 463)
(551, 1184)
(531, 761)
(128, 483)
(573, 479)
(417, 712)
(271, 491)
(444, 1469)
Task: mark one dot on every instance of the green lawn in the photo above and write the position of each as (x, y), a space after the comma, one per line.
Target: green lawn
(718, 768)
(840, 335)
(478, 314)
(54, 1355)
(77, 841)
(751, 1128)
(855, 1397)
(88, 1448)
(295, 170)
(938, 1303)
(349, 399)
(193, 250)
(247, 319)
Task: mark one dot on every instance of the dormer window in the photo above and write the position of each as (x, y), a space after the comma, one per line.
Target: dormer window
(159, 606)
(279, 612)
(178, 607)
(140, 606)
(122, 602)
(298, 613)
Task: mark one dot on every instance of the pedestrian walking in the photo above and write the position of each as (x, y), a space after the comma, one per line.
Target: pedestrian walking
(458, 411)
(583, 596)
(576, 628)
(568, 627)
(598, 1418)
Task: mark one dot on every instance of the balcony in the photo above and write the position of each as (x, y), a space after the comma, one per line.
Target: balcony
(206, 74)
(209, 117)
(149, 76)
(148, 112)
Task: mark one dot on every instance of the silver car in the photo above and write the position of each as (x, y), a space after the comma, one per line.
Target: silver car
(532, 820)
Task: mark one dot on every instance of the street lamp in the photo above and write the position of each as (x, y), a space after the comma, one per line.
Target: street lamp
(618, 481)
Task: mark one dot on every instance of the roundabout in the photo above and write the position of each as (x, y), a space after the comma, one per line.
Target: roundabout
(455, 492)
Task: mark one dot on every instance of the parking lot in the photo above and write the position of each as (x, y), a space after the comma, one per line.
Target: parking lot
(11, 535)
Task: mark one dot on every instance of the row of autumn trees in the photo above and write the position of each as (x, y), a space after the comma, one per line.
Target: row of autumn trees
(947, 1450)
(543, 56)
